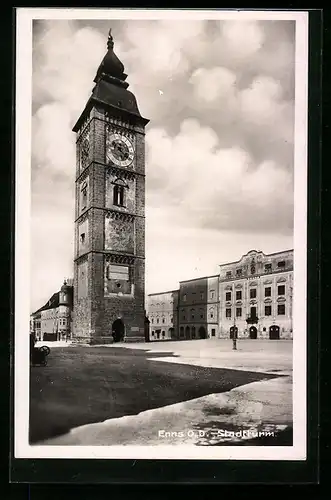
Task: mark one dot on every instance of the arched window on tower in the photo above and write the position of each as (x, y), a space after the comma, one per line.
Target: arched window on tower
(119, 192)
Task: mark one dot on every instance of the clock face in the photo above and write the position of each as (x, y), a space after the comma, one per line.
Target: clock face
(120, 150)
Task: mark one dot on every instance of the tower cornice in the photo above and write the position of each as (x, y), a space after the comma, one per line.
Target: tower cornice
(108, 211)
(115, 110)
(106, 166)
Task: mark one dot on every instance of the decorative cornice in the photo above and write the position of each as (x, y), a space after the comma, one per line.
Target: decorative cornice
(268, 301)
(84, 126)
(123, 172)
(253, 301)
(281, 280)
(105, 209)
(131, 126)
(228, 304)
(105, 166)
(106, 253)
(238, 285)
(116, 215)
(82, 218)
(281, 299)
(267, 282)
(117, 125)
(228, 287)
(120, 259)
(82, 258)
(253, 283)
(239, 302)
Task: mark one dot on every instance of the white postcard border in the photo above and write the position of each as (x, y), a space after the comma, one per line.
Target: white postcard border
(22, 449)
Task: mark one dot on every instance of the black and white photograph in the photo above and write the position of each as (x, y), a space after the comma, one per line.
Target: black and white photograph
(161, 219)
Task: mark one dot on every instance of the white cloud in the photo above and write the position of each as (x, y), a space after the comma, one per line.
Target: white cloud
(242, 38)
(53, 142)
(214, 83)
(67, 62)
(205, 180)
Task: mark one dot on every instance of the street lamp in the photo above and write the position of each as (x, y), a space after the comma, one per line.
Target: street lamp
(235, 329)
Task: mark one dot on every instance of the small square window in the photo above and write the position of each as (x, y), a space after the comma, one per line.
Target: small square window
(238, 272)
(228, 274)
(281, 264)
(281, 290)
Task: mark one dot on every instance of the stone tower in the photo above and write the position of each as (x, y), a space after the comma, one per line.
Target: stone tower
(109, 261)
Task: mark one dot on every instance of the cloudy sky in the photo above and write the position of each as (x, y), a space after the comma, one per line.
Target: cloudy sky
(219, 145)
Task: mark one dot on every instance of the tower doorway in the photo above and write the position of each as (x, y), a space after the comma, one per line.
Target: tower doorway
(118, 330)
(253, 332)
(274, 332)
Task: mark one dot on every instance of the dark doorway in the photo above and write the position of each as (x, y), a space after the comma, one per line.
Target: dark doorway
(171, 333)
(118, 330)
(274, 332)
(233, 332)
(187, 333)
(253, 332)
(202, 333)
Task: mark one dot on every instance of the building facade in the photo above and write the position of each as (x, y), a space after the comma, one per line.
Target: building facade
(198, 308)
(256, 296)
(109, 262)
(162, 311)
(250, 298)
(53, 321)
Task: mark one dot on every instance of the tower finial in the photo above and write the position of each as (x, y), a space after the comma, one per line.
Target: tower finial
(110, 42)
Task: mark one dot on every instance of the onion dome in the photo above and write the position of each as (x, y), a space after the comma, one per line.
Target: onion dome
(111, 68)
(65, 287)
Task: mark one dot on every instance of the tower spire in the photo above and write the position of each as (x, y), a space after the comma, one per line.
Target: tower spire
(111, 68)
(110, 42)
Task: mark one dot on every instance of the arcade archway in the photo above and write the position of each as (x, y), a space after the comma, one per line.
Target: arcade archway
(274, 332)
(202, 333)
(253, 332)
(187, 333)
